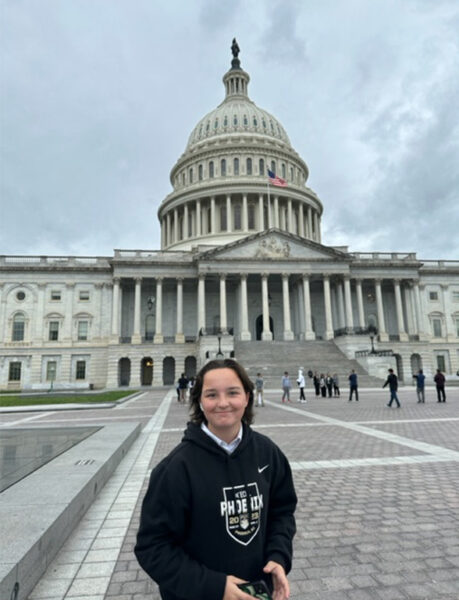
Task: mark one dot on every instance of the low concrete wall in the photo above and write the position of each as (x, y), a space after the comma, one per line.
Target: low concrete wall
(38, 513)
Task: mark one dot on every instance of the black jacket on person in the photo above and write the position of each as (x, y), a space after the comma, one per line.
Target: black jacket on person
(392, 381)
(208, 514)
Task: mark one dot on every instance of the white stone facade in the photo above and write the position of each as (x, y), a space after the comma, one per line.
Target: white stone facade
(238, 261)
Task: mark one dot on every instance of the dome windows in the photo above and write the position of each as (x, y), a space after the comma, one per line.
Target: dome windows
(248, 166)
(225, 121)
(246, 121)
(207, 127)
(200, 172)
(235, 120)
(273, 166)
(255, 122)
(216, 124)
(261, 166)
(191, 175)
(283, 171)
(263, 122)
(223, 167)
(236, 166)
(211, 169)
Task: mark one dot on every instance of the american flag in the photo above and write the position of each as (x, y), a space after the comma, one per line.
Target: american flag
(275, 180)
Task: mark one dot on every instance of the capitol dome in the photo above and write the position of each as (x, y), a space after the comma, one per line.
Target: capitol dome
(220, 182)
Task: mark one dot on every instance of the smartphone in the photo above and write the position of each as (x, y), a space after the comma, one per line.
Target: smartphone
(257, 589)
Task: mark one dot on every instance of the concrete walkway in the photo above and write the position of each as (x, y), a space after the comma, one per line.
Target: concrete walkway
(378, 513)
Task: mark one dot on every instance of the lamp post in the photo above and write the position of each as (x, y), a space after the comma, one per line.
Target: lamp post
(372, 332)
(150, 303)
(219, 353)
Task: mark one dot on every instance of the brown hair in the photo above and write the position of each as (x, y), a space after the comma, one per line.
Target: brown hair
(197, 416)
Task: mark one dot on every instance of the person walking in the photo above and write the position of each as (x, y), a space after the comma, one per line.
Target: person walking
(336, 384)
(301, 384)
(220, 507)
(420, 385)
(286, 385)
(329, 384)
(392, 382)
(259, 383)
(353, 386)
(440, 385)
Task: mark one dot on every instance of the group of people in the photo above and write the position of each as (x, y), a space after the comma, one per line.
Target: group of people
(184, 386)
(326, 385)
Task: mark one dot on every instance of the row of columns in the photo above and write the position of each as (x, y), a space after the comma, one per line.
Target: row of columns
(280, 214)
(345, 313)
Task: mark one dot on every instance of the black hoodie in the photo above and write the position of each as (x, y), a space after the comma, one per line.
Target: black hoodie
(208, 514)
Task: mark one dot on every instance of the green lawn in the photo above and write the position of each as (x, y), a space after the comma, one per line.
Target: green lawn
(64, 399)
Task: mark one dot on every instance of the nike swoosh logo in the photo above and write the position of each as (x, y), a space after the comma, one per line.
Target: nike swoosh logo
(261, 469)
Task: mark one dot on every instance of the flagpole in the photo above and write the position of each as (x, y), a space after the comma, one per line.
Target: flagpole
(269, 200)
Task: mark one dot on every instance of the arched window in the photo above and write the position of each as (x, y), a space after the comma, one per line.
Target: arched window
(283, 170)
(235, 120)
(255, 122)
(223, 167)
(261, 167)
(191, 175)
(225, 121)
(200, 172)
(291, 173)
(236, 166)
(246, 121)
(18, 328)
(249, 166)
(211, 169)
(273, 167)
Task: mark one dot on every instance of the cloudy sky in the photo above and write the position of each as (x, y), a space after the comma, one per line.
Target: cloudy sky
(98, 98)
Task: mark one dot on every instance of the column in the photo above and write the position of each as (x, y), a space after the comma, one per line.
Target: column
(198, 218)
(383, 337)
(179, 336)
(289, 216)
(136, 338)
(185, 222)
(316, 227)
(358, 291)
(340, 298)
(159, 338)
(300, 219)
(168, 229)
(309, 223)
(328, 313)
(276, 211)
(229, 214)
(288, 333)
(223, 316)
(67, 333)
(261, 224)
(409, 303)
(98, 331)
(245, 333)
(116, 311)
(163, 233)
(308, 331)
(245, 214)
(3, 331)
(266, 334)
(270, 213)
(176, 236)
(398, 307)
(348, 304)
(419, 313)
(450, 334)
(213, 224)
(201, 303)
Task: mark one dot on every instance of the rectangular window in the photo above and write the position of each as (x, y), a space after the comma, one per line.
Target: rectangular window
(18, 330)
(251, 216)
(53, 331)
(84, 295)
(441, 363)
(436, 324)
(80, 369)
(14, 373)
(55, 295)
(51, 370)
(433, 296)
(455, 296)
(223, 224)
(83, 328)
(237, 217)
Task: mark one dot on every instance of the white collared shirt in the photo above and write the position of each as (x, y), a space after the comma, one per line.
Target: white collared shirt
(231, 447)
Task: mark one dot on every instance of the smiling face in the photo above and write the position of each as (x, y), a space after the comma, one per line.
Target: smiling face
(223, 401)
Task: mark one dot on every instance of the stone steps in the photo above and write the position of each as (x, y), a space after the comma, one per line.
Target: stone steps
(271, 359)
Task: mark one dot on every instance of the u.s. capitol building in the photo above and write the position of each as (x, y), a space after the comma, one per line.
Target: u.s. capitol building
(242, 271)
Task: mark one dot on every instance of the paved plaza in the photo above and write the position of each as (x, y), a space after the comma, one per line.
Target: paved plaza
(378, 489)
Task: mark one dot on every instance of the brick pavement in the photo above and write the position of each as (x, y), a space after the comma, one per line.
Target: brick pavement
(378, 488)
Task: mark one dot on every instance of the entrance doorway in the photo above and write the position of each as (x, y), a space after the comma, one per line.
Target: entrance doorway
(190, 366)
(168, 370)
(259, 326)
(124, 372)
(146, 375)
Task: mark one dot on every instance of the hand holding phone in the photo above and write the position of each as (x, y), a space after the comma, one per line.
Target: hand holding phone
(257, 589)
